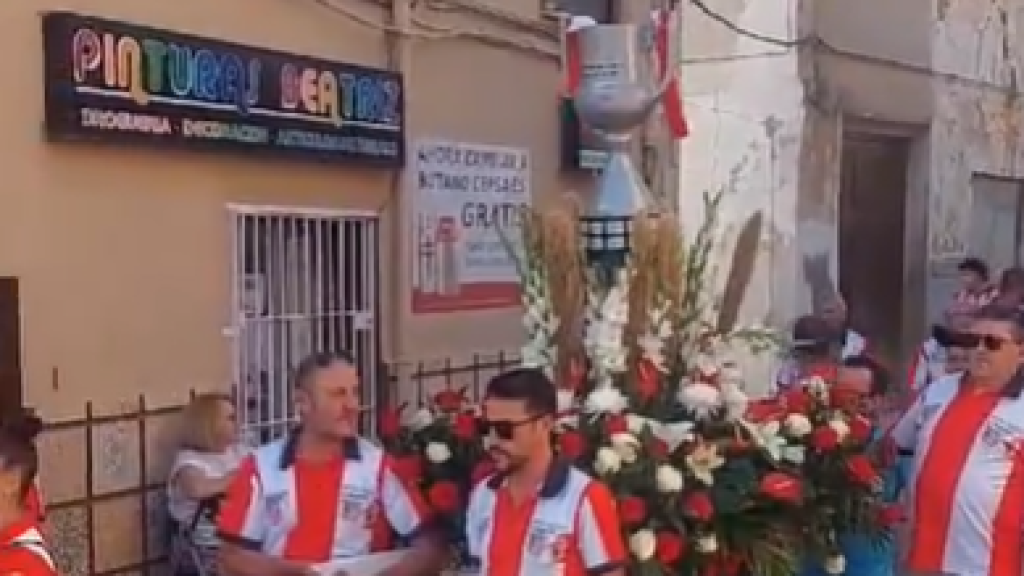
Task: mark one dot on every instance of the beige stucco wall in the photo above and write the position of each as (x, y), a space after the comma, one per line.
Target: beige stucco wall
(123, 254)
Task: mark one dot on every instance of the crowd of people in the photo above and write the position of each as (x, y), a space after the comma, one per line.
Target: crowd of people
(322, 492)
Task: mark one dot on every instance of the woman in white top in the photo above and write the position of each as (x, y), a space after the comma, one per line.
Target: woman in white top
(207, 458)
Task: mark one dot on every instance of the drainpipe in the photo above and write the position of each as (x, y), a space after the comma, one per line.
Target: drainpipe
(398, 47)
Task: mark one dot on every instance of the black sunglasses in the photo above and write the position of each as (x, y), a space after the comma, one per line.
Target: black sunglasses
(988, 341)
(505, 429)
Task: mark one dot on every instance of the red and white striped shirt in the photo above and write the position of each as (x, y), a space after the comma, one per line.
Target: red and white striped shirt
(967, 488)
(314, 512)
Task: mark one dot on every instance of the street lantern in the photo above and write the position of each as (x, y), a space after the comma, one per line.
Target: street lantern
(618, 90)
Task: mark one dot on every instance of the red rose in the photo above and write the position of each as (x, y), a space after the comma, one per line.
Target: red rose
(889, 515)
(450, 401)
(615, 423)
(669, 547)
(782, 487)
(571, 444)
(861, 470)
(389, 422)
(483, 470)
(444, 497)
(647, 377)
(698, 506)
(408, 468)
(658, 448)
(860, 429)
(824, 439)
(632, 510)
(464, 427)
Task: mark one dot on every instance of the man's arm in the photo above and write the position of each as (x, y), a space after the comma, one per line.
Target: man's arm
(241, 527)
(905, 431)
(600, 535)
(409, 515)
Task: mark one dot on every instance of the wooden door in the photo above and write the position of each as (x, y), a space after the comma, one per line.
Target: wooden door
(10, 346)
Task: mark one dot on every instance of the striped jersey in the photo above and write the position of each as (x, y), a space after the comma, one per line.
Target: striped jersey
(23, 551)
(966, 495)
(314, 512)
(570, 528)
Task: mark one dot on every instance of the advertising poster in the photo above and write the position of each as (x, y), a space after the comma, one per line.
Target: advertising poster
(467, 200)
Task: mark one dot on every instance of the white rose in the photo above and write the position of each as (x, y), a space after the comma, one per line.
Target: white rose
(817, 387)
(626, 446)
(642, 544)
(420, 419)
(607, 461)
(798, 426)
(668, 479)
(835, 564)
(438, 453)
(707, 544)
(842, 429)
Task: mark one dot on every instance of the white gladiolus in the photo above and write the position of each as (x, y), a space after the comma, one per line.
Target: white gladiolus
(607, 461)
(707, 544)
(842, 429)
(798, 426)
(567, 416)
(735, 400)
(419, 419)
(540, 324)
(642, 544)
(668, 479)
(605, 323)
(438, 453)
(835, 564)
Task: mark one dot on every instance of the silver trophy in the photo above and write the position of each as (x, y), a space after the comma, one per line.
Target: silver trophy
(619, 89)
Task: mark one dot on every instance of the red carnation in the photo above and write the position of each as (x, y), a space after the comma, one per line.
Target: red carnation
(615, 423)
(764, 410)
(698, 506)
(669, 548)
(860, 429)
(782, 487)
(797, 401)
(861, 470)
(483, 470)
(571, 444)
(444, 497)
(890, 515)
(632, 510)
(408, 468)
(450, 401)
(647, 380)
(389, 422)
(464, 427)
(824, 439)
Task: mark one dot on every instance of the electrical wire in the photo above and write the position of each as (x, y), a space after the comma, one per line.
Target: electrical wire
(732, 26)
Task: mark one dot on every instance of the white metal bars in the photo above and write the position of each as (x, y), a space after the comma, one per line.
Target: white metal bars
(302, 282)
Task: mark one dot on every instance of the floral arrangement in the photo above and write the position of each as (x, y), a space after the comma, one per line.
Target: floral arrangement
(654, 405)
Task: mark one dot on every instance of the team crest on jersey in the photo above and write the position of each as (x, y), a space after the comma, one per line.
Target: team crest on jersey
(548, 542)
(275, 504)
(357, 506)
(1001, 434)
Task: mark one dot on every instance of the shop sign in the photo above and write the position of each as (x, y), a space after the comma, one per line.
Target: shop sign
(581, 148)
(467, 201)
(116, 82)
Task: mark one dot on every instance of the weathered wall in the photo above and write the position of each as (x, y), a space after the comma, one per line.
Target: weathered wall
(744, 103)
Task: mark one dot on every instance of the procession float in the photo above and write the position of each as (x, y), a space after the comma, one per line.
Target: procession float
(624, 312)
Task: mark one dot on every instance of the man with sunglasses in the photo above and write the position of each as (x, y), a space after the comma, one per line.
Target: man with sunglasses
(966, 435)
(538, 514)
(322, 493)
